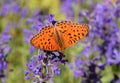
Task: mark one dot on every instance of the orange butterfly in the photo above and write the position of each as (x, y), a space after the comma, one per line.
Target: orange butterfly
(59, 36)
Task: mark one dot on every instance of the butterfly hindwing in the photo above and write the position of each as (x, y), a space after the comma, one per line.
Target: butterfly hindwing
(45, 39)
(71, 32)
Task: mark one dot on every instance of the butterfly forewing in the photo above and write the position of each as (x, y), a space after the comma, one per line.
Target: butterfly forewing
(71, 32)
(45, 39)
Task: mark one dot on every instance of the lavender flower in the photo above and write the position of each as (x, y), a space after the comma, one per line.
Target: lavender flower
(44, 66)
(4, 52)
(105, 29)
(67, 9)
(12, 8)
(38, 19)
(36, 22)
(88, 70)
(103, 46)
(15, 7)
(23, 12)
(116, 79)
(4, 10)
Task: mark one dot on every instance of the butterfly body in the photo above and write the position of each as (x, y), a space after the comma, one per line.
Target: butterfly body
(59, 39)
(59, 36)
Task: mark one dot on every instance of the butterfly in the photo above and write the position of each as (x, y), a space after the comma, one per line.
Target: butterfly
(59, 35)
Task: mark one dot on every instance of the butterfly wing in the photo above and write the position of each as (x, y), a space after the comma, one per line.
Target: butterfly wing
(45, 39)
(71, 32)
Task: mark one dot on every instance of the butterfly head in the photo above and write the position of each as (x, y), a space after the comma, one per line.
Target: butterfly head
(54, 22)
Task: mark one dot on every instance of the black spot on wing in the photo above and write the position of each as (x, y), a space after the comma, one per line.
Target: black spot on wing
(83, 34)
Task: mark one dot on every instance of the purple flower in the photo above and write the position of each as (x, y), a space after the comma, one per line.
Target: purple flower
(28, 35)
(5, 9)
(44, 66)
(86, 69)
(32, 49)
(9, 7)
(105, 29)
(36, 23)
(67, 9)
(51, 18)
(5, 38)
(116, 79)
(23, 12)
(16, 7)
(103, 44)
